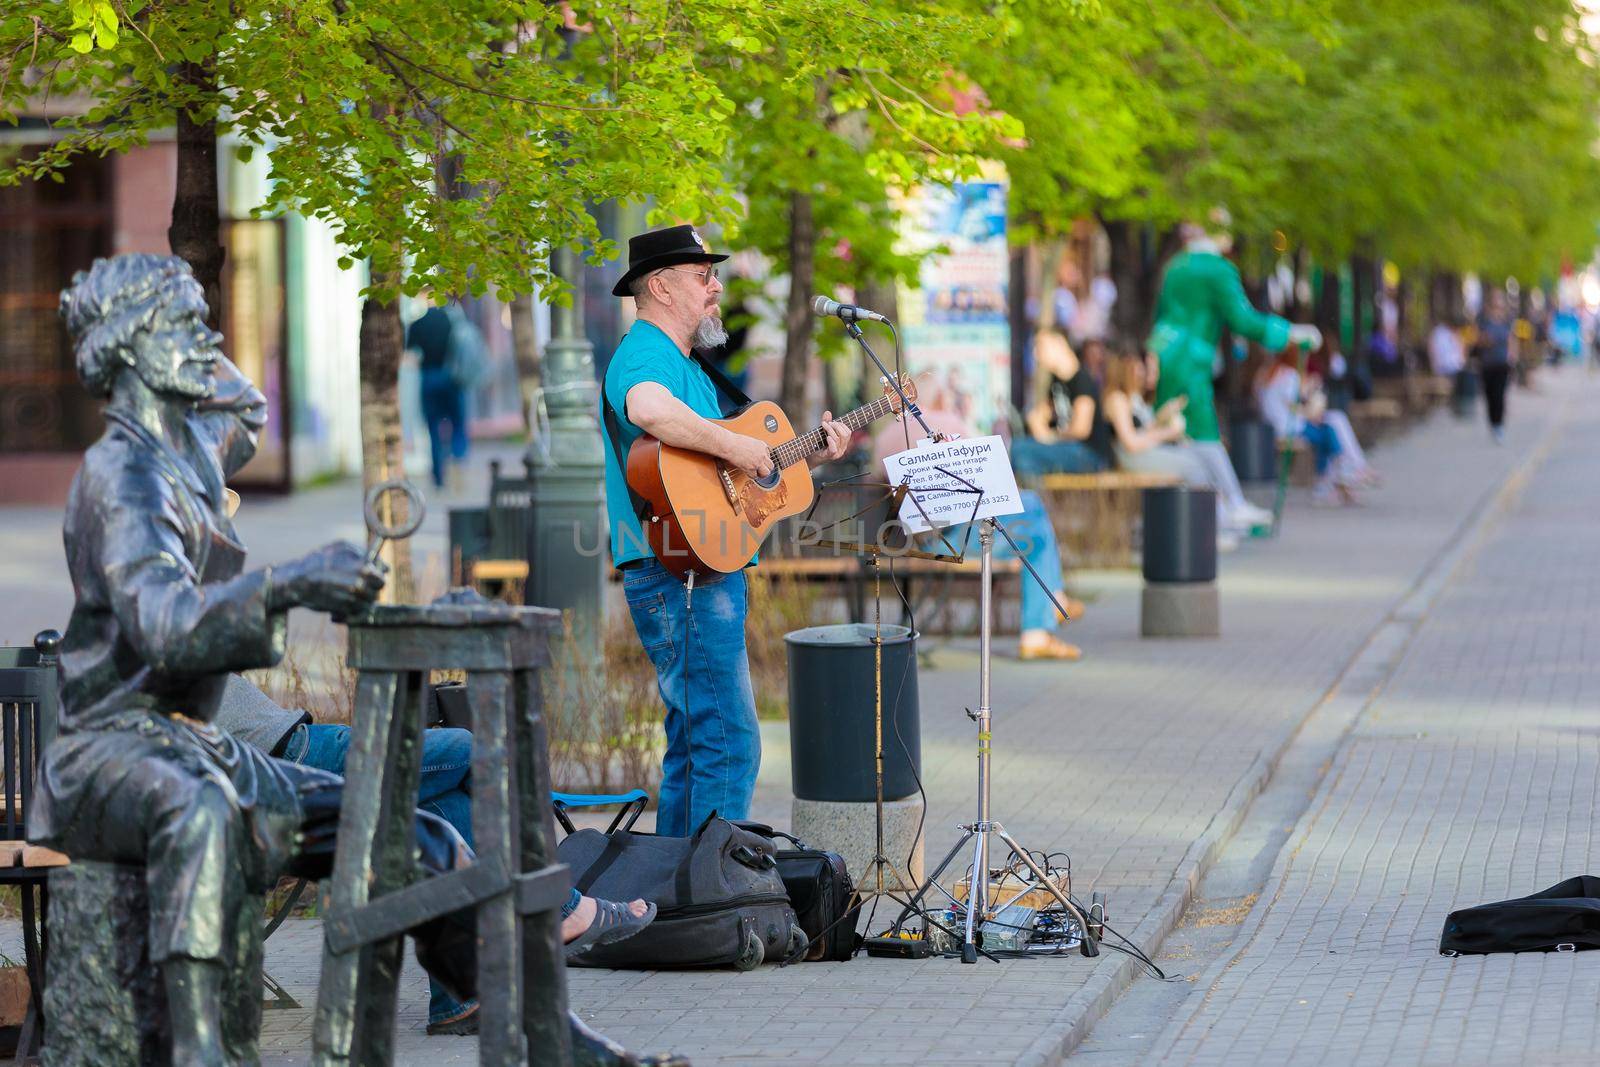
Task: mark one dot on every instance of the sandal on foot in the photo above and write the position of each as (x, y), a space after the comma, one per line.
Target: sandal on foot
(463, 1025)
(1050, 648)
(613, 922)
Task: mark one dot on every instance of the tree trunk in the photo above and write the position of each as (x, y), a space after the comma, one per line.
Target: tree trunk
(1130, 315)
(525, 350)
(1049, 263)
(1327, 306)
(884, 298)
(798, 317)
(382, 455)
(196, 230)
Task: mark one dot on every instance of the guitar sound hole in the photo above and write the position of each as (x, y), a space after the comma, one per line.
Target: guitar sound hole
(773, 477)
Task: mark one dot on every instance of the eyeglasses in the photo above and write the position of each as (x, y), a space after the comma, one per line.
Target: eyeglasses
(707, 276)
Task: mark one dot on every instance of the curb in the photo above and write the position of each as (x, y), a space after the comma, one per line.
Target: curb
(1090, 1004)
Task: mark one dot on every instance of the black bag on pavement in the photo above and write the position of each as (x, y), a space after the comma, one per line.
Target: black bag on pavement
(719, 899)
(1563, 918)
(821, 892)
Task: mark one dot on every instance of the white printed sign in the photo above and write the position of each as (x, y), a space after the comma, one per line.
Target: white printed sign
(937, 471)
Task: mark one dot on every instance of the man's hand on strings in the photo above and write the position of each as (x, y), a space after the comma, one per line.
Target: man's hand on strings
(835, 441)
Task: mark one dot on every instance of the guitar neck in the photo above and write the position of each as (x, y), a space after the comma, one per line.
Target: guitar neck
(791, 452)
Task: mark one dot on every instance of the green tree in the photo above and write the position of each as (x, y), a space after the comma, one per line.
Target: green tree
(833, 116)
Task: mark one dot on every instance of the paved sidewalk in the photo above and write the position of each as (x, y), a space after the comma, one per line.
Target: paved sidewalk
(1137, 761)
(1470, 777)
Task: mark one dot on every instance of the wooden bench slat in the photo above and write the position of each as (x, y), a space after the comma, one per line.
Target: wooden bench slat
(11, 853)
(39, 856)
(810, 566)
(499, 570)
(1106, 480)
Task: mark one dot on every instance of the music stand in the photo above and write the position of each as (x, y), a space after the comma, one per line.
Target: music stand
(979, 831)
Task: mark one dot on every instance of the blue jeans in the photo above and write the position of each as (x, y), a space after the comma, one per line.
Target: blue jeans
(1324, 442)
(1036, 537)
(696, 645)
(444, 408)
(1030, 457)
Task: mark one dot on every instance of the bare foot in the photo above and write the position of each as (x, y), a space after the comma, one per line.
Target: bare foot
(579, 920)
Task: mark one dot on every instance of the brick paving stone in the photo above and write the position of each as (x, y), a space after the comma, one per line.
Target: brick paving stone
(1123, 760)
(1471, 777)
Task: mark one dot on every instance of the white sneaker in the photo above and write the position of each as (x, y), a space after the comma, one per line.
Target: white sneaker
(1227, 542)
(1248, 515)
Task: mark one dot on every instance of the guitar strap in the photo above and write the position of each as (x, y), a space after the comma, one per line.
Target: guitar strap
(724, 385)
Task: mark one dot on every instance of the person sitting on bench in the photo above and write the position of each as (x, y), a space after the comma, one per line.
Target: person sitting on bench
(1066, 432)
(1156, 442)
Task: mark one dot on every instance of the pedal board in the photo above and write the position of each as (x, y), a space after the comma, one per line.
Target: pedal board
(899, 948)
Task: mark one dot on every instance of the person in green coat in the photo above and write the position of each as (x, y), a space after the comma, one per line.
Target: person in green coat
(1201, 292)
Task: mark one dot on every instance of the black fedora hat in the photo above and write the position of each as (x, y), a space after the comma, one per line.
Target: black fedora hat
(663, 248)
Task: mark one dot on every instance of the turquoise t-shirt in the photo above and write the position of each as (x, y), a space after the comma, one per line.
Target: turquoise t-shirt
(646, 354)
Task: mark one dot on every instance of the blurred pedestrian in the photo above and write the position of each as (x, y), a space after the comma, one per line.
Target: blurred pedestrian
(1497, 355)
(452, 359)
(1445, 351)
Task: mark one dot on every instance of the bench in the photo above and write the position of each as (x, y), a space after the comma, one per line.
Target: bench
(1376, 418)
(28, 712)
(919, 580)
(1096, 516)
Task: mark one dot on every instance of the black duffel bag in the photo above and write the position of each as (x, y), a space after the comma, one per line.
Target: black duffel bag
(822, 894)
(719, 899)
(1563, 918)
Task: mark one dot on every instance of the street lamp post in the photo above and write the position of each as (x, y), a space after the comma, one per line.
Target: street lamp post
(567, 468)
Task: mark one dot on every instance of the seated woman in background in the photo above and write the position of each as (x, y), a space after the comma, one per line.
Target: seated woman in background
(1300, 409)
(1154, 441)
(1066, 433)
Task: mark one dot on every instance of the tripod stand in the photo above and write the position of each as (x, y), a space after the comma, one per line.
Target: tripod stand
(978, 833)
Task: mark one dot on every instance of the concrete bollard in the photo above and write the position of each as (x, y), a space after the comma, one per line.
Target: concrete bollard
(833, 740)
(1180, 564)
(1253, 448)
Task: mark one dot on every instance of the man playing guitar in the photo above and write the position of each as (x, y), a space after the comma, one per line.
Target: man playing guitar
(694, 633)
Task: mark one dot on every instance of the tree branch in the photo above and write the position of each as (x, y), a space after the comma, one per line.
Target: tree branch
(486, 91)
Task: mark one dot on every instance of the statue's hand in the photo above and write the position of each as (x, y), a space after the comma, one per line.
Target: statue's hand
(335, 578)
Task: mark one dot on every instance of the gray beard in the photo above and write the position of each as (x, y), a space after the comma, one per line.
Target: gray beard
(709, 333)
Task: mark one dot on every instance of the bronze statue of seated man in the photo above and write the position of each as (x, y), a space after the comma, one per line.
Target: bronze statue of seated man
(139, 773)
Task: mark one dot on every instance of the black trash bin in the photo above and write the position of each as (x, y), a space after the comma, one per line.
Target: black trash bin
(831, 698)
(1180, 534)
(1253, 447)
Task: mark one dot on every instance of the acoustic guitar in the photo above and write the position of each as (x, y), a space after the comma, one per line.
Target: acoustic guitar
(705, 515)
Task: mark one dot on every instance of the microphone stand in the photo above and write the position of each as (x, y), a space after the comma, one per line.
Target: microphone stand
(906, 403)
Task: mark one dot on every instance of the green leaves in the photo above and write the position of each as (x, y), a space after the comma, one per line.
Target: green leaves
(93, 25)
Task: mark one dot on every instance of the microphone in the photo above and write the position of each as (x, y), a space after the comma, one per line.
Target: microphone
(845, 312)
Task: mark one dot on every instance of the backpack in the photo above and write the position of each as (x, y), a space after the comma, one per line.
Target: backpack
(720, 900)
(467, 356)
